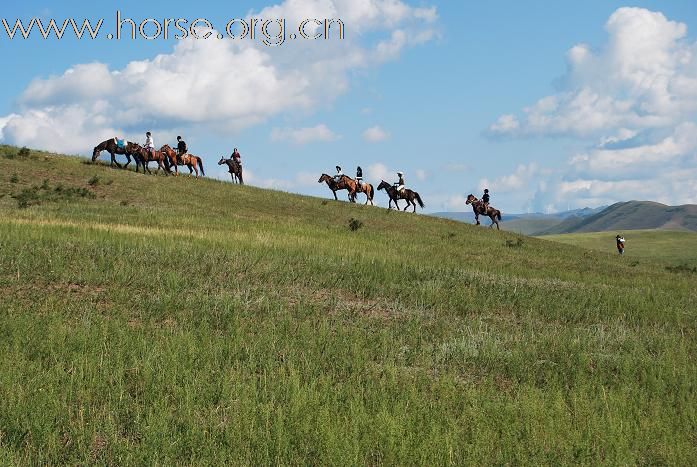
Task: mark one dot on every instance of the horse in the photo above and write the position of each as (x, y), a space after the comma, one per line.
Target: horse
(478, 208)
(191, 161)
(344, 183)
(409, 196)
(369, 191)
(145, 156)
(235, 169)
(112, 148)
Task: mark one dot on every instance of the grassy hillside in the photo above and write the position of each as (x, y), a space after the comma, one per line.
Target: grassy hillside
(631, 215)
(152, 319)
(674, 248)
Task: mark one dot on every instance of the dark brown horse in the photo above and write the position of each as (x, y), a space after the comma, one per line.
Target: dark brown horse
(344, 183)
(145, 156)
(113, 149)
(478, 208)
(189, 160)
(369, 191)
(409, 195)
(234, 168)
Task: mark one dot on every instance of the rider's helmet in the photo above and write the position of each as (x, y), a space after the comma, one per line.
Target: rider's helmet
(179, 138)
(148, 134)
(400, 173)
(486, 190)
(338, 168)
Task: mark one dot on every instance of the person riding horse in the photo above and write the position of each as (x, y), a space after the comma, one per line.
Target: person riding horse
(485, 200)
(236, 157)
(181, 148)
(400, 184)
(359, 179)
(149, 144)
(338, 175)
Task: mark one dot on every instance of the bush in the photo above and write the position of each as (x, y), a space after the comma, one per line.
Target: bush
(14, 179)
(93, 181)
(355, 224)
(514, 243)
(24, 152)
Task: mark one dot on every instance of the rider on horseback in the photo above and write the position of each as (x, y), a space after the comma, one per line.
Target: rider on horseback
(236, 157)
(149, 144)
(400, 184)
(181, 148)
(359, 179)
(485, 201)
(338, 175)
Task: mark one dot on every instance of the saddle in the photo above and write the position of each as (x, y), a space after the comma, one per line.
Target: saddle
(184, 159)
(120, 143)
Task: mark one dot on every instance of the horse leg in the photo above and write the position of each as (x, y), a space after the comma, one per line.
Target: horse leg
(128, 157)
(113, 160)
(335, 198)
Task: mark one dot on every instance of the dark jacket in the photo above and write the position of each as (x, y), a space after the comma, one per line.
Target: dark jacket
(359, 173)
(485, 198)
(182, 147)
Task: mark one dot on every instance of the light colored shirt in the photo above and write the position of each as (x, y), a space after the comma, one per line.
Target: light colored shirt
(149, 142)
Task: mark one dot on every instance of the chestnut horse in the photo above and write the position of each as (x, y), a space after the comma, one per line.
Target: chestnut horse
(234, 168)
(369, 191)
(189, 160)
(478, 208)
(112, 148)
(409, 196)
(344, 183)
(145, 156)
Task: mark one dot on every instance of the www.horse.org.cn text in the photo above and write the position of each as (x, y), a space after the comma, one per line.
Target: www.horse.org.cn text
(270, 32)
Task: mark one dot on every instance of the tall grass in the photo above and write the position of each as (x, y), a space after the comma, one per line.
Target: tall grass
(193, 321)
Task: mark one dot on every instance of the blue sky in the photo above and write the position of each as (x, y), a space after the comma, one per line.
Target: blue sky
(552, 105)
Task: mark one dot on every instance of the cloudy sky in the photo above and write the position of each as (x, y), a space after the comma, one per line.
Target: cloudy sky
(551, 105)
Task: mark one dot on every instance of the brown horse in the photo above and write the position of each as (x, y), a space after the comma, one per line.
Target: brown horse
(145, 156)
(234, 168)
(369, 191)
(409, 195)
(112, 148)
(344, 183)
(189, 160)
(478, 208)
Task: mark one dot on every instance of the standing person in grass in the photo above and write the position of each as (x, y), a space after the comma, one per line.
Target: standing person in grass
(620, 244)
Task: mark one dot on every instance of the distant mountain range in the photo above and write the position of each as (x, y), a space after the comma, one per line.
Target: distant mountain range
(630, 215)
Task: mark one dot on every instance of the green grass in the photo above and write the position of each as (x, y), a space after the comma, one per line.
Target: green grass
(672, 247)
(173, 320)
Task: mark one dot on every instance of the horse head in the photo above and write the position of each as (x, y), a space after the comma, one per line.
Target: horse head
(383, 185)
(470, 199)
(95, 153)
(324, 178)
(222, 161)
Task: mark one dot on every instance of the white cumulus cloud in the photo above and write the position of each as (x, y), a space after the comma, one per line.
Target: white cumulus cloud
(222, 85)
(375, 134)
(319, 133)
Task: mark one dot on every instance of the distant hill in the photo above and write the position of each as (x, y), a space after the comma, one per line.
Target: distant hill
(528, 223)
(630, 215)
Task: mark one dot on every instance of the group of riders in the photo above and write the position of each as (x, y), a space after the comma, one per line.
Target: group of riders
(182, 149)
(399, 185)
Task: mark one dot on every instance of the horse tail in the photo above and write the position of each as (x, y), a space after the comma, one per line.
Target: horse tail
(372, 191)
(498, 214)
(200, 162)
(418, 200)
